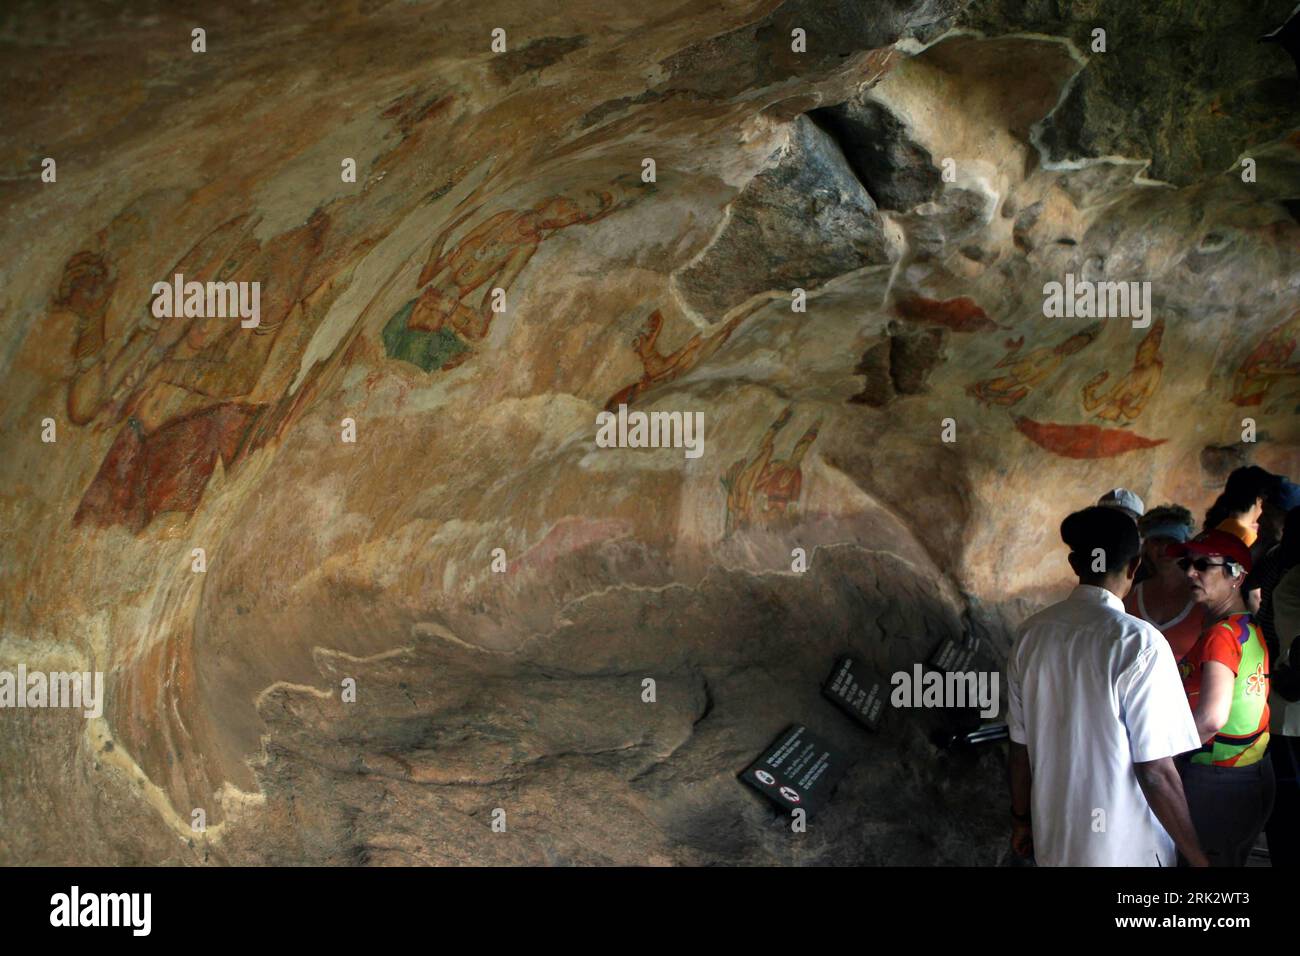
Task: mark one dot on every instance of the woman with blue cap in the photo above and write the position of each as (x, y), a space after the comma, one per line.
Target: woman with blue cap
(1162, 597)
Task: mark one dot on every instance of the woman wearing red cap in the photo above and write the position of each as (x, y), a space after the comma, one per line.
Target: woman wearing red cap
(1229, 786)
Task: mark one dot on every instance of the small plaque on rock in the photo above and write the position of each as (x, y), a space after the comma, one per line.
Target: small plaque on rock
(856, 691)
(798, 770)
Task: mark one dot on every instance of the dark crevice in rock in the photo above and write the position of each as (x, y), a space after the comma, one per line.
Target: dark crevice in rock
(900, 364)
(708, 703)
(898, 173)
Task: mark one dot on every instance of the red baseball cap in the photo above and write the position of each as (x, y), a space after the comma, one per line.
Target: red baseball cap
(1222, 544)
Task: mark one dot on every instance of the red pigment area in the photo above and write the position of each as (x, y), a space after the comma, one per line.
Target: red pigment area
(962, 314)
(1083, 441)
(144, 475)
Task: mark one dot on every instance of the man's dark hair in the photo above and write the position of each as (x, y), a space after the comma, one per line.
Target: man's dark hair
(1107, 529)
(1244, 487)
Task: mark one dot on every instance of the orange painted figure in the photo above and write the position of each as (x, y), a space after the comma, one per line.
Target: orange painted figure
(490, 256)
(1270, 360)
(764, 489)
(658, 368)
(84, 291)
(161, 368)
(1129, 395)
(1025, 372)
(189, 388)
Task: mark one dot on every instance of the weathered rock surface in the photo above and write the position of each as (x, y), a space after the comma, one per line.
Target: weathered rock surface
(1185, 85)
(372, 560)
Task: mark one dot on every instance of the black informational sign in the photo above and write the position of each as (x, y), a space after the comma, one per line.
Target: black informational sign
(798, 770)
(955, 656)
(856, 691)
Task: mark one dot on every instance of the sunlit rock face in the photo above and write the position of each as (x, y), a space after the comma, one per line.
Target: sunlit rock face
(920, 173)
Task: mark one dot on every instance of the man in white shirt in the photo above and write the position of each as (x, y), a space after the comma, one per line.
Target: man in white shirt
(1096, 714)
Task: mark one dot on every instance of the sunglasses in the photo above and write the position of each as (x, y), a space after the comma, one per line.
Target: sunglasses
(1200, 564)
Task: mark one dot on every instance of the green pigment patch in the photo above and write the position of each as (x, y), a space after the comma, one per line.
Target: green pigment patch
(428, 350)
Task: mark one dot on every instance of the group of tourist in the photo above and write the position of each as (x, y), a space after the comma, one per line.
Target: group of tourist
(1142, 729)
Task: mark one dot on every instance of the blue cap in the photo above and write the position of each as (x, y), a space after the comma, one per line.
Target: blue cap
(1176, 530)
(1124, 500)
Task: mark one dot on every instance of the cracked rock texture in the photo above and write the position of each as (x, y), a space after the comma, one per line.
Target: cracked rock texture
(920, 172)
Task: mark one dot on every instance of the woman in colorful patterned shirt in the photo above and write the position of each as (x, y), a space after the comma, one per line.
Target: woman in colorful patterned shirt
(1229, 786)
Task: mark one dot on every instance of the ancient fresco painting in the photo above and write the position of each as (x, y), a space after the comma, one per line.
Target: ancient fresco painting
(1122, 403)
(962, 314)
(1026, 371)
(177, 387)
(1269, 362)
(1083, 441)
(763, 489)
(441, 326)
(658, 368)
(1125, 400)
